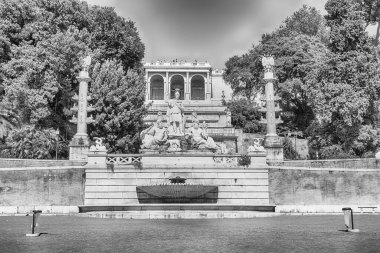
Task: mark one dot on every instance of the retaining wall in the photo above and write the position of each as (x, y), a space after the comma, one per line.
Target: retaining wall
(22, 163)
(359, 163)
(324, 186)
(42, 187)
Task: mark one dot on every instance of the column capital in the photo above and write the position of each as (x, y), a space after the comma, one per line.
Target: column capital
(83, 77)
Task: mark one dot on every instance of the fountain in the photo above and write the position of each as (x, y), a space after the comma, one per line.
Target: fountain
(177, 191)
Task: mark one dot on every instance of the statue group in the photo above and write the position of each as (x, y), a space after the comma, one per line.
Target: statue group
(158, 136)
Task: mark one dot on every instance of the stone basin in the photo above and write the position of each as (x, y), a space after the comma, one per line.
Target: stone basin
(177, 193)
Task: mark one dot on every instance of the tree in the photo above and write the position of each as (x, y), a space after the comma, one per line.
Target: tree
(297, 46)
(245, 115)
(35, 143)
(244, 74)
(296, 55)
(371, 9)
(41, 44)
(118, 98)
(343, 88)
(8, 120)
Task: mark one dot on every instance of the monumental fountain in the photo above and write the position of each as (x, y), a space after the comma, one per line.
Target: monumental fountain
(188, 156)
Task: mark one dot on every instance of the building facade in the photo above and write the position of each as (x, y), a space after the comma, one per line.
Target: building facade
(201, 97)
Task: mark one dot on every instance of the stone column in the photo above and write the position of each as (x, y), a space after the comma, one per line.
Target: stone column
(166, 87)
(187, 87)
(272, 143)
(208, 87)
(147, 86)
(79, 145)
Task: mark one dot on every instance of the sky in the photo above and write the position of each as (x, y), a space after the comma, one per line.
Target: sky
(204, 30)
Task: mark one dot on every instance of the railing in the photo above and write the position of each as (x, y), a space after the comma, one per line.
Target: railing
(216, 159)
(123, 160)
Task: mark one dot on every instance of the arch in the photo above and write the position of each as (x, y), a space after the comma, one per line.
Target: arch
(177, 82)
(157, 87)
(197, 85)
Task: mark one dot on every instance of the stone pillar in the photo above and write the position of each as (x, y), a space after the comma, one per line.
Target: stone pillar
(272, 143)
(208, 87)
(187, 87)
(147, 86)
(79, 145)
(166, 87)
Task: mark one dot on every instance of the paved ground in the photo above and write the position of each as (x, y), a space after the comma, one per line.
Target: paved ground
(275, 234)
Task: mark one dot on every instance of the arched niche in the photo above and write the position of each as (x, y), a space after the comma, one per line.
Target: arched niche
(157, 87)
(197, 88)
(177, 82)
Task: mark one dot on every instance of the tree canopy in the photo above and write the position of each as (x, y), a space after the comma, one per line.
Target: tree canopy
(41, 45)
(328, 76)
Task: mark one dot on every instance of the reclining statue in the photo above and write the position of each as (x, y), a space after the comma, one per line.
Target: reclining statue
(200, 139)
(154, 136)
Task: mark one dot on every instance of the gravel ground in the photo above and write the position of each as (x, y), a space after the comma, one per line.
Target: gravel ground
(274, 234)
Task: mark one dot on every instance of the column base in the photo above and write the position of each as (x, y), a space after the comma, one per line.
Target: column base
(275, 149)
(79, 147)
(78, 153)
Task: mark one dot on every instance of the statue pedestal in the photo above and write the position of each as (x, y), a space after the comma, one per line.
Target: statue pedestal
(79, 147)
(275, 149)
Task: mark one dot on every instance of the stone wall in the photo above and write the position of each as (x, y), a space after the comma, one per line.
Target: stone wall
(324, 187)
(362, 163)
(22, 163)
(42, 187)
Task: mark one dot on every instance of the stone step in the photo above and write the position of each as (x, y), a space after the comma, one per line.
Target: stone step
(134, 201)
(179, 214)
(221, 188)
(185, 169)
(149, 181)
(133, 194)
(164, 207)
(166, 176)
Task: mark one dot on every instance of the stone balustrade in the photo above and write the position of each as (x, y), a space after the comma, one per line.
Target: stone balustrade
(196, 159)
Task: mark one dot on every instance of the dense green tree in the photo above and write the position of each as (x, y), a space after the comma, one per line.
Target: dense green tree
(343, 88)
(244, 74)
(245, 115)
(35, 143)
(119, 102)
(297, 45)
(296, 55)
(41, 44)
(371, 10)
(8, 120)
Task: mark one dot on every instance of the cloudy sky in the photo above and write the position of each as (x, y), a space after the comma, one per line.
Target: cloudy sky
(212, 30)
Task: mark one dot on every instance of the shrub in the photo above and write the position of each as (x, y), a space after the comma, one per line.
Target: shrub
(289, 151)
(244, 160)
(32, 143)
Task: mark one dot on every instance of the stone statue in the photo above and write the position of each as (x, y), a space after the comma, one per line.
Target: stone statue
(257, 146)
(86, 62)
(175, 115)
(154, 136)
(268, 63)
(98, 145)
(200, 139)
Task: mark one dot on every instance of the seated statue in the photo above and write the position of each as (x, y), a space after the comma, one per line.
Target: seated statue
(154, 136)
(200, 139)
